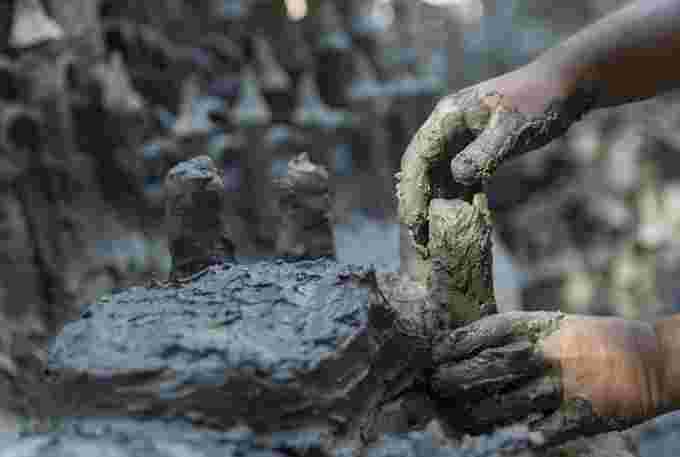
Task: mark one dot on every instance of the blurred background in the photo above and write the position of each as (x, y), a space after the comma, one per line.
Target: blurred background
(99, 99)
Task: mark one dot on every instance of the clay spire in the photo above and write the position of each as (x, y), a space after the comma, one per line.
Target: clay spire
(183, 124)
(118, 93)
(273, 76)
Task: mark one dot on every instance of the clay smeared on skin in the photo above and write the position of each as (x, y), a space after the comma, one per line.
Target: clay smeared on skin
(537, 330)
(452, 235)
(454, 117)
(475, 131)
(508, 132)
(625, 381)
(590, 374)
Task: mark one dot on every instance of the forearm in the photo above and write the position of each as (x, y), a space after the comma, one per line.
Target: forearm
(629, 55)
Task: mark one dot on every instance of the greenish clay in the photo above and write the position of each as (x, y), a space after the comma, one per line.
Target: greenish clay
(568, 452)
(477, 120)
(553, 373)
(28, 425)
(489, 169)
(537, 330)
(427, 147)
(460, 236)
(481, 203)
(571, 407)
(24, 425)
(422, 267)
(462, 308)
(216, 324)
(55, 424)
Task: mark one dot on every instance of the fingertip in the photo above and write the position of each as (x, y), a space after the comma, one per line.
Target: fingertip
(464, 168)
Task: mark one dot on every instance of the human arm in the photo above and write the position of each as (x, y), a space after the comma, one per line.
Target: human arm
(628, 55)
(586, 374)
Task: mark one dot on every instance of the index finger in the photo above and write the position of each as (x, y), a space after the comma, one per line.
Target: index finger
(494, 331)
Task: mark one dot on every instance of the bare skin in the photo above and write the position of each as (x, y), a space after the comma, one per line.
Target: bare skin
(563, 375)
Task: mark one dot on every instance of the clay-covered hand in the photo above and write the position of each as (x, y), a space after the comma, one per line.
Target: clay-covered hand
(563, 375)
(470, 133)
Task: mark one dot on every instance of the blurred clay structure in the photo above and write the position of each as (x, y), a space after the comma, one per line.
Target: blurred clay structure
(195, 227)
(304, 228)
(198, 235)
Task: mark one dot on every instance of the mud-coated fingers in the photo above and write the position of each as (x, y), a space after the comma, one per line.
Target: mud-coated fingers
(509, 133)
(446, 131)
(575, 418)
(538, 405)
(498, 142)
(494, 331)
(541, 397)
(489, 372)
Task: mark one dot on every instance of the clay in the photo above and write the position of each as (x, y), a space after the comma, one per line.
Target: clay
(450, 224)
(460, 254)
(130, 437)
(307, 345)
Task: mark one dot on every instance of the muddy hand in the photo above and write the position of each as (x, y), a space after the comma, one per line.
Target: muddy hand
(450, 224)
(562, 375)
(470, 133)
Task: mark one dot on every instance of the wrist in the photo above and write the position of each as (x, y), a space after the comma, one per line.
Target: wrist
(572, 83)
(668, 335)
(544, 87)
(615, 364)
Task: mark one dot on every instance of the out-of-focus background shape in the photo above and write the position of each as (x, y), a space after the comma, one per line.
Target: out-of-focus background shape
(305, 108)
